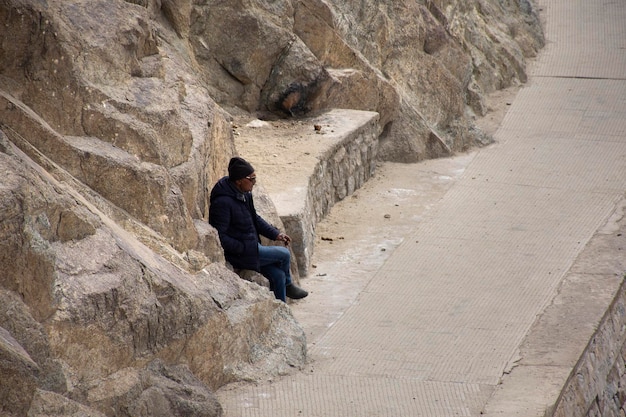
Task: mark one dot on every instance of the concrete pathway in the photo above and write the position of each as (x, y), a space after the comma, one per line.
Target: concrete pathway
(430, 326)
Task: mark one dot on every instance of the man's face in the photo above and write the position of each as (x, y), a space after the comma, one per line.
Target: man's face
(246, 184)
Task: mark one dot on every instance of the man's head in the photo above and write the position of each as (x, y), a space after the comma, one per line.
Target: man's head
(241, 173)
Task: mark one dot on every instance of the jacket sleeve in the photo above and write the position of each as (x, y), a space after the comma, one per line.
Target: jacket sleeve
(220, 217)
(266, 229)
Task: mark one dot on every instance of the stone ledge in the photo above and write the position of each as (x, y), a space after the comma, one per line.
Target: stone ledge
(307, 165)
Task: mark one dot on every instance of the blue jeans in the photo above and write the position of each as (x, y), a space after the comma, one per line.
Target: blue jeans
(275, 264)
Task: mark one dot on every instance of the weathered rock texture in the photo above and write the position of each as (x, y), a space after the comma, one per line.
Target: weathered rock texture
(424, 66)
(85, 304)
(114, 124)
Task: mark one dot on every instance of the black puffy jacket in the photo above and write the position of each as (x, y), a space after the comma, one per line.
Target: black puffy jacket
(233, 214)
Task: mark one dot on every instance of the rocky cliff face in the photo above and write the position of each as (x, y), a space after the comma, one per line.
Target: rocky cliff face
(114, 124)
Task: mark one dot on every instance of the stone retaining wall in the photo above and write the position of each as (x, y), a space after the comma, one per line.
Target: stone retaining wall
(307, 165)
(597, 384)
(342, 169)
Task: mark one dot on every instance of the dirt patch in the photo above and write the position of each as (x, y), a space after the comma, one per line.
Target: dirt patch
(498, 104)
(285, 153)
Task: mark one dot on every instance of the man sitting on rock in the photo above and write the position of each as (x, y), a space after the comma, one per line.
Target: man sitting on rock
(239, 226)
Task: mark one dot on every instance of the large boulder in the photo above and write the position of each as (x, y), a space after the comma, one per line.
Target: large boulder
(19, 376)
(84, 303)
(100, 90)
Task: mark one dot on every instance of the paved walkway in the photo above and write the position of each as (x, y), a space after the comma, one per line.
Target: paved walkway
(430, 327)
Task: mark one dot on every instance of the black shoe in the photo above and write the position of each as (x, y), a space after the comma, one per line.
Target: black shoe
(295, 292)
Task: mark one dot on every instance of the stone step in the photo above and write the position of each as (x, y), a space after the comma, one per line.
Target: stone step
(307, 165)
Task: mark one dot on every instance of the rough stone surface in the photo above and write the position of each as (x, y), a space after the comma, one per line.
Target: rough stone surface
(77, 312)
(19, 375)
(47, 404)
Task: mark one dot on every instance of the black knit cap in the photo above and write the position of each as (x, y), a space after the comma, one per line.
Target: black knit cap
(239, 168)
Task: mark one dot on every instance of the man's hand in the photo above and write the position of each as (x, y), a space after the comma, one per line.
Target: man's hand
(283, 238)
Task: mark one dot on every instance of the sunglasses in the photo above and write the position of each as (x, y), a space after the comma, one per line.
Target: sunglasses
(251, 179)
